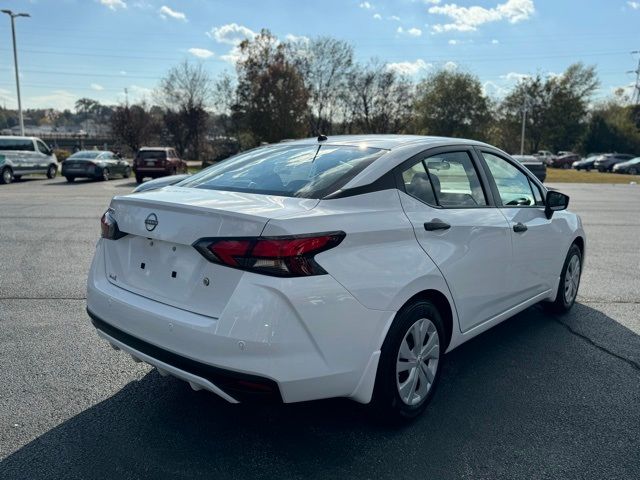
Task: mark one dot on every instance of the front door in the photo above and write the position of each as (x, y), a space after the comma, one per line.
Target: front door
(456, 225)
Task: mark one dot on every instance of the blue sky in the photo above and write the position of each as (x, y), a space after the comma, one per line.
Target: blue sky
(97, 48)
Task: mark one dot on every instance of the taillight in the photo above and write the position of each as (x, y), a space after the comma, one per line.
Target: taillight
(291, 256)
(109, 227)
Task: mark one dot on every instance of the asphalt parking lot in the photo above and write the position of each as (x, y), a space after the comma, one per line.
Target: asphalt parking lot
(539, 396)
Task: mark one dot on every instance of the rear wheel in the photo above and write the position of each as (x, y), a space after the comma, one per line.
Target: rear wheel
(70, 179)
(52, 171)
(569, 282)
(6, 176)
(105, 175)
(410, 361)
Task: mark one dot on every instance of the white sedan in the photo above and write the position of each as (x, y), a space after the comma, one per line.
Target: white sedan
(339, 267)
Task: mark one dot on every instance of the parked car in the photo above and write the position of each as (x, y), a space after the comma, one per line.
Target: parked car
(21, 156)
(95, 164)
(565, 161)
(161, 182)
(587, 162)
(605, 162)
(546, 156)
(564, 152)
(631, 167)
(157, 162)
(339, 267)
(534, 164)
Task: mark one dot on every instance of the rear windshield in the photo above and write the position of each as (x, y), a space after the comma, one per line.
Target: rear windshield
(152, 154)
(307, 171)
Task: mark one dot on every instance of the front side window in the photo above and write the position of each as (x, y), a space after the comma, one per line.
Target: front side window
(307, 171)
(513, 185)
(42, 147)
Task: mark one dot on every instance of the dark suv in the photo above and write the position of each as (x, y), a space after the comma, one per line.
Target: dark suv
(606, 162)
(157, 162)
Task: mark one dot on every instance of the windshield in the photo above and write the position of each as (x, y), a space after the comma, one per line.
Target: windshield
(307, 171)
(88, 154)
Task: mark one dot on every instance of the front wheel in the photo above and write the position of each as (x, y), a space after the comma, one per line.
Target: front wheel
(569, 282)
(410, 361)
(6, 175)
(633, 171)
(105, 175)
(127, 172)
(52, 171)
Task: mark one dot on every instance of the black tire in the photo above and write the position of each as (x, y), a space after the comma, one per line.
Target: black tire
(6, 176)
(127, 172)
(52, 171)
(105, 175)
(387, 403)
(561, 304)
(633, 171)
(139, 179)
(70, 179)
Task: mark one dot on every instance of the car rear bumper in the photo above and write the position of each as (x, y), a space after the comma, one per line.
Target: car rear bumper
(304, 339)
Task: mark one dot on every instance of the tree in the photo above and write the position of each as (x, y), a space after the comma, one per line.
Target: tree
(272, 98)
(325, 64)
(611, 128)
(377, 100)
(556, 107)
(452, 104)
(132, 125)
(86, 106)
(184, 93)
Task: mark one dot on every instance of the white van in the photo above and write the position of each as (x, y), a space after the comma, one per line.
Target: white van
(25, 156)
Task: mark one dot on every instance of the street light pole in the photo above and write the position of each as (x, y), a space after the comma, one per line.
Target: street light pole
(524, 121)
(15, 62)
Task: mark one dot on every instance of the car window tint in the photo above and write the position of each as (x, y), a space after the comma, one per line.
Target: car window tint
(417, 183)
(513, 185)
(42, 147)
(537, 193)
(307, 171)
(21, 144)
(455, 180)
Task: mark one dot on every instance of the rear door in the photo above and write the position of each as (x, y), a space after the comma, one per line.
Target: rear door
(534, 237)
(457, 225)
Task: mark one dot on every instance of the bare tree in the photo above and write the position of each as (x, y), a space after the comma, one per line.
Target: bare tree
(185, 93)
(132, 125)
(325, 64)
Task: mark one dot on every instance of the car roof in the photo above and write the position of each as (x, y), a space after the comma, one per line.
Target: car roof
(155, 148)
(92, 151)
(16, 137)
(386, 142)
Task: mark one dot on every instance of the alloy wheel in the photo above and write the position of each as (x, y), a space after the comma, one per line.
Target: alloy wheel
(572, 279)
(417, 361)
(6, 176)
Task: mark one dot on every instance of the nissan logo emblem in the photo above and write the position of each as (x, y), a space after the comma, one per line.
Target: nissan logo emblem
(151, 222)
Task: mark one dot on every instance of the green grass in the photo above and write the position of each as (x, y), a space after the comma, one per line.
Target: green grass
(557, 175)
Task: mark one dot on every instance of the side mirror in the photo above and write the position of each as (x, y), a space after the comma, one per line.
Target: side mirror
(554, 202)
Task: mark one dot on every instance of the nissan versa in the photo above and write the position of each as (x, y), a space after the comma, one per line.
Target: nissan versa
(339, 267)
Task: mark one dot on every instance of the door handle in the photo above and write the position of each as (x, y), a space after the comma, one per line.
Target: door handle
(519, 227)
(436, 225)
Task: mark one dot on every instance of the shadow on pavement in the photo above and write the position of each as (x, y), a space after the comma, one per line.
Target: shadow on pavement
(527, 399)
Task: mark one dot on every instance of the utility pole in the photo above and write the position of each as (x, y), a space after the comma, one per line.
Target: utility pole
(15, 62)
(635, 98)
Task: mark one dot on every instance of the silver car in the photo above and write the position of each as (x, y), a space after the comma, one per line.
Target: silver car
(25, 156)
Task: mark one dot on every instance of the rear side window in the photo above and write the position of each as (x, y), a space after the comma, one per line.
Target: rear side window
(306, 171)
(17, 144)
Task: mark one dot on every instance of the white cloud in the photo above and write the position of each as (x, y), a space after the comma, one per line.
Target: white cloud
(495, 42)
(114, 4)
(200, 52)
(377, 16)
(231, 33)
(453, 42)
(634, 5)
(409, 68)
(413, 32)
(97, 87)
(450, 66)
(232, 56)
(58, 99)
(168, 12)
(366, 5)
(515, 76)
(432, 2)
(466, 19)
(395, 18)
(492, 89)
(122, 72)
(290, 37)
